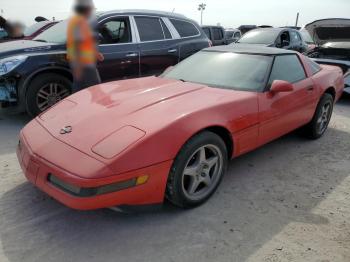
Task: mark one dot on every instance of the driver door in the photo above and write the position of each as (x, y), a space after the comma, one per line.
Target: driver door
(281, 113)
(119, 48)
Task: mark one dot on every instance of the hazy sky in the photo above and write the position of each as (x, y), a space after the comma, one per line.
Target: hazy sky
(230, 13)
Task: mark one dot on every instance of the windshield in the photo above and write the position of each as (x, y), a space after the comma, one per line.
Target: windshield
(55, 34)
(34, 28)
(259, 37)
(306, 36)
(224, 70)
(229, 34)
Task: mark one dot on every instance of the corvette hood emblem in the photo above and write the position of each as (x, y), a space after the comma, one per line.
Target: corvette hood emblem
(66, 130)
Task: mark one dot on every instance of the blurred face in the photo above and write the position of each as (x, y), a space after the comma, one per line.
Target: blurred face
(17, 31)
(85, 11)
(89, 12)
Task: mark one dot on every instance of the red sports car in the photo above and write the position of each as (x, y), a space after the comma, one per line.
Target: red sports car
(139, 141)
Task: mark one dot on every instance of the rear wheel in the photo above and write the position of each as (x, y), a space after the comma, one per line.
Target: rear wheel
(197, 170)
(45, 91)
(319, 123)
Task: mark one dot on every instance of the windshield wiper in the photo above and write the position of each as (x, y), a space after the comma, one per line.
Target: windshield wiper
(182, 80)
(40, 40)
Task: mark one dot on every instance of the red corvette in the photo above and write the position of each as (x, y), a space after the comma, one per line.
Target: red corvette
(139, 141)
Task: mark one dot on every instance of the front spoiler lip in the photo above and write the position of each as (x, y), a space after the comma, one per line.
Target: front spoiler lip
(151, 192)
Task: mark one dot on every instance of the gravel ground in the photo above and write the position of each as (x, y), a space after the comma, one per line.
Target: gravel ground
(288, 201)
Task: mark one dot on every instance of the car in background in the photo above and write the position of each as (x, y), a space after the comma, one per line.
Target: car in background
(216, 35)
(232, 35)
(139, 141)
(34, 75)
(3, 33)
(246, 28)
(332, 39)
(37, 28)
(307, 39)
(29, 32)
(285, 38)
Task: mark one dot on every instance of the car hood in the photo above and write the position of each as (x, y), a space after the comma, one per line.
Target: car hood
(23, 47)
(97, 112)
(329, 30)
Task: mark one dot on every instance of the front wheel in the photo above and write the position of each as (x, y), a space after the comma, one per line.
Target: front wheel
(45, 91)
(319, 123)
(197, 170)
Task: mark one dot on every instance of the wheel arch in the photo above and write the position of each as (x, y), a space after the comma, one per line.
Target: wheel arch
(47, 70)
(224, 134)
(330, 90)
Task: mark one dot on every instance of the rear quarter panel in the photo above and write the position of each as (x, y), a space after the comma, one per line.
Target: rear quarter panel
(329, 76)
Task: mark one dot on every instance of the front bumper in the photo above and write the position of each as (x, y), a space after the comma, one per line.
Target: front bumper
(37, 170)
(10, 98)
(8, 90)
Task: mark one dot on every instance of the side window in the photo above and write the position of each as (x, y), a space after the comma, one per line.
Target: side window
(229, 35)
(185, 29)
(287, 68)
(237, 35)
(294, 37)
(284, 37)
(165, 30)
(207, 32)
(150, 28)
(217, 34)
(115, 31)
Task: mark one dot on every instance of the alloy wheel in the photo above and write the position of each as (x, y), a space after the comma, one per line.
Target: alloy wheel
(50, 94)
(324, 118)
(202, 172)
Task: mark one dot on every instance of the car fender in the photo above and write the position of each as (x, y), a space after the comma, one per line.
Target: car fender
(46, 69)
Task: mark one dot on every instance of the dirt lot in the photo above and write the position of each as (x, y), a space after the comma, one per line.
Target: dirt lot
(288, 201)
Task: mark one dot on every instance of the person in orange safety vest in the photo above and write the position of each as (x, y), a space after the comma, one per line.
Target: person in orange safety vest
(82, 52)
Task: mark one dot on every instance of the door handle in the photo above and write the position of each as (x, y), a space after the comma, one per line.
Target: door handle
(132, 54)
(172, 51)
(310, 88)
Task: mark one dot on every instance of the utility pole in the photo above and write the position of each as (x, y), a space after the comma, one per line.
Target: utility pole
(297, 20)
(201, 8)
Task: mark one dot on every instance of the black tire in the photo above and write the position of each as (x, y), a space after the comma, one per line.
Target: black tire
(41, 83)
(313, 129)
(175, 191)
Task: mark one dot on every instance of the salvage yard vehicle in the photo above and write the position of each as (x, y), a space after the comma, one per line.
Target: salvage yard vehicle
(332, 39)
(307, 39)
(285, 38)
(246, 28)
(37, 28)
(216, 35)
(34, 75)
(3, 33)
(138, 141)
(29, 33)
(232, 35)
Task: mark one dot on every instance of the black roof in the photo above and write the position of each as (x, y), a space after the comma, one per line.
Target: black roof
(250, 49)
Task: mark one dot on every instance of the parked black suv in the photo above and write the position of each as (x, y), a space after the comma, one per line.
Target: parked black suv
(34, 75)
(285, 38)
